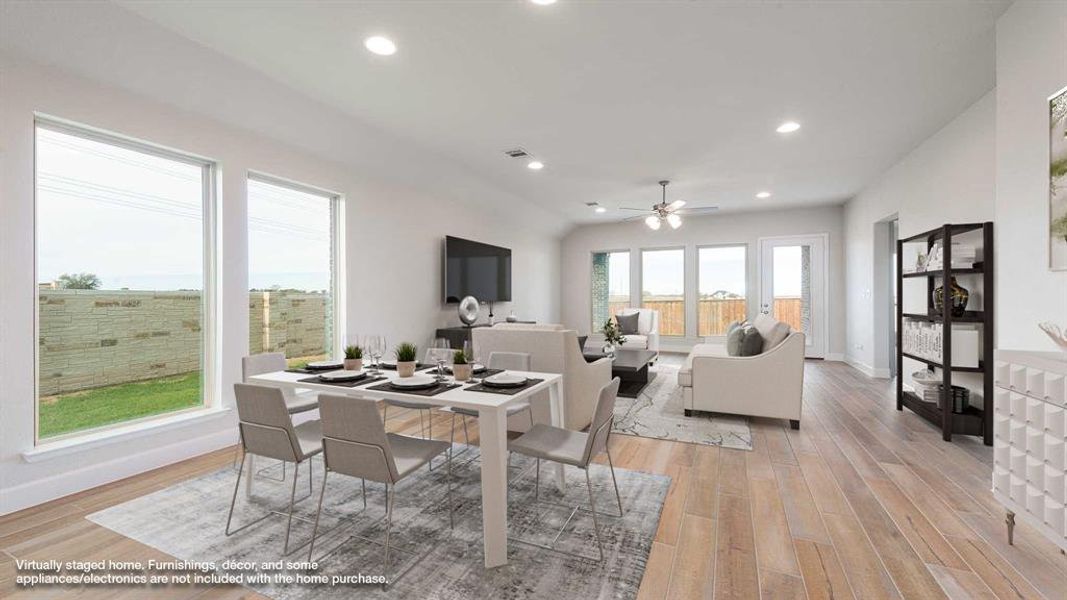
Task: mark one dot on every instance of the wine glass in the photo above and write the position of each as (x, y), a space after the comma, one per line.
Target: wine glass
(440, 351)
(376, 343)
(468, 353)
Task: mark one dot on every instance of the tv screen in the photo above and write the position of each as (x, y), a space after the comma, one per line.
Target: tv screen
(476, 269)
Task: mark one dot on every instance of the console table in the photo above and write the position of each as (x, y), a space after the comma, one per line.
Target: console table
(1030, 440)
(457, 335)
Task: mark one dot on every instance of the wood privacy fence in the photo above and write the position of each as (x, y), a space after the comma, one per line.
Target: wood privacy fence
(714, 315)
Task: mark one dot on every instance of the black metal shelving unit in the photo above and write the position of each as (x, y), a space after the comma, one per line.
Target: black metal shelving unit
(973, 421)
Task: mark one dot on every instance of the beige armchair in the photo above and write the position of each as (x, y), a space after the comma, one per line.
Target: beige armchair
(552, 349)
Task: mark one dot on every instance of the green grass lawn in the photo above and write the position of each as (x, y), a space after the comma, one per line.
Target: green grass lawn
(114, 404)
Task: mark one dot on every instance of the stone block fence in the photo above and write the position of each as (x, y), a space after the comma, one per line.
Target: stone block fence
(94, 338)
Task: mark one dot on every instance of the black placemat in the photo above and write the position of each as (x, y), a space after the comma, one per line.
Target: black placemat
(312, 371)
(437, 389)
(509, 391)
(347, 384)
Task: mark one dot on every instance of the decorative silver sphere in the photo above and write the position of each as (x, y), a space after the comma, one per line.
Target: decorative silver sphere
(468, 310)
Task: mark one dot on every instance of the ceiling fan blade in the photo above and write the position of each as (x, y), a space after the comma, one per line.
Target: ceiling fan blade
(697, 210)
(628, 208)
(675, 205)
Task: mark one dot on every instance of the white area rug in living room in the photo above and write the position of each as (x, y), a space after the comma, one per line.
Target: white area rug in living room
(658, 413)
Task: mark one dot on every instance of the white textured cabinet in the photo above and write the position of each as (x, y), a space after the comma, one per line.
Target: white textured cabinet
(1030, 440)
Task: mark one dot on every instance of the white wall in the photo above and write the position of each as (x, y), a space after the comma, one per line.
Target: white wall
(1031, 66)
(726, 228)
(394, 234)
(949, 178)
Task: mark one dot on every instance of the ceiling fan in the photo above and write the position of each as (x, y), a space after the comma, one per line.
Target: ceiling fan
(671, 213)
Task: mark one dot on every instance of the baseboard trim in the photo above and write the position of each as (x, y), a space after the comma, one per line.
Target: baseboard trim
(866, 369)
(46, 489)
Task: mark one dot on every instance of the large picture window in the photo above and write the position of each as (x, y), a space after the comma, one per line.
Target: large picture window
(721, 278)
(121, 243)
(663, 288)
(291, 270)
(610, 285)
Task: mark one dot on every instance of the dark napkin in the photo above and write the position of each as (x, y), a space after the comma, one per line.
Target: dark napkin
(507, 391)
(347, 384)
(437, 389)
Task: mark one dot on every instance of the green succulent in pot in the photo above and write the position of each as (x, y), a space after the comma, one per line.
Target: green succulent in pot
(406, 355)
(353, 358)
(461, 369)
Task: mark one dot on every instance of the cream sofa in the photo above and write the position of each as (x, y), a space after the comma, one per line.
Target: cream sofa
(770, 384)
(552, 349)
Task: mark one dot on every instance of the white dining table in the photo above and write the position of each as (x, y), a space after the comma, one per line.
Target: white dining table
(492, 427)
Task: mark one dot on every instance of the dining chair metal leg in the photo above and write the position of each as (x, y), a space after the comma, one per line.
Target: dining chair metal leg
(614, 482)
(451, 505)
(596, 522)
(292, 501)
(236, 485)
(466, 436)
(364, 490)
(537, 481)
(390, 496)
(322, 494)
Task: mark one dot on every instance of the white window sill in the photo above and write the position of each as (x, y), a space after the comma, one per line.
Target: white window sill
(81, 443)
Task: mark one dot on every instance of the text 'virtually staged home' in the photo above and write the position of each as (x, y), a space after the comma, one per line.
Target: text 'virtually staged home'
(533, 299)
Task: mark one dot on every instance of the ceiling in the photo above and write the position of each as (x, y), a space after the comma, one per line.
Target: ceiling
(615, 96)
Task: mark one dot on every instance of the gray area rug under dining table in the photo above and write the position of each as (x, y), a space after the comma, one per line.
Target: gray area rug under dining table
(187, 521)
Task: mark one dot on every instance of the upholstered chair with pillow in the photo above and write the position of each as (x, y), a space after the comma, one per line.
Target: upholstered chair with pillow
(642, 333)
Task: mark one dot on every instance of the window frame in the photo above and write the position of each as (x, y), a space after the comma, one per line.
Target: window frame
(685, 287)
(598, 327)
(211, 343)
(748, 264)
(337, 253)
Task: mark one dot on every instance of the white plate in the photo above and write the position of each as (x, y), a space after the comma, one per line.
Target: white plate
(322, 365)
(414, 382)
(343, 375)
(505, 380)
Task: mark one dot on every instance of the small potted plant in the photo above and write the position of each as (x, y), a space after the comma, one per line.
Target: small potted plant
(353, 358)
(406, 354)
(461, 369)
(612, 337)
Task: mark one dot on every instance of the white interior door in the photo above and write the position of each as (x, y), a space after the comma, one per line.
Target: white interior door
(793, 286)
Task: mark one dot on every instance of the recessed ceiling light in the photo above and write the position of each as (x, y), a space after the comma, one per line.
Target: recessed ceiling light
(762, 195)
(380, 45)
(543, 2)
(788, 127)
(535, 165)
(601, 209)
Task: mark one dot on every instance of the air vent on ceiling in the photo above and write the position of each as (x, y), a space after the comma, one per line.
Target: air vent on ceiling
(592, 204)
(517, 153)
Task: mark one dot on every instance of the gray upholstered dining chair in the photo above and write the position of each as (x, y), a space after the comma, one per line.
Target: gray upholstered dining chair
(355, 444)
(267, 429)
(296, 401)
(513, 361)
(575, 448)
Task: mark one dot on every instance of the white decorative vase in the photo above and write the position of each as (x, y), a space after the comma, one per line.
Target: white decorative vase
(608, 349)
(405, 369)
(353, 364)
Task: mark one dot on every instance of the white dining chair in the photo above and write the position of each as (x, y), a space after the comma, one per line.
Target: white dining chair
(505, 361)
(267, 430)
(356, 444)
(578, 449)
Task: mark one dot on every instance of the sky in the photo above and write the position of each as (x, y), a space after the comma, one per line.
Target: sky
(136, 221)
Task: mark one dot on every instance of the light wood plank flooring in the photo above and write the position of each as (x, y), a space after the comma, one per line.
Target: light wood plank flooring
(862, 502)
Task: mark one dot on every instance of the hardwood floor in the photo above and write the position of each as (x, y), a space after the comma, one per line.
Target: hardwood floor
(862, 502)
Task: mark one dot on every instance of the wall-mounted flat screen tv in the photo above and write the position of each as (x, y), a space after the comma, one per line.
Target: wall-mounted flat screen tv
(476, 269)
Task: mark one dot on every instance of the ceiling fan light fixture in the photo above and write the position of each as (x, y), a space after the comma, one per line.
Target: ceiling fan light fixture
(653, 222)
(674, 221)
